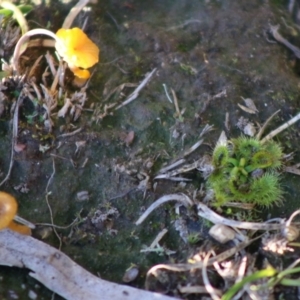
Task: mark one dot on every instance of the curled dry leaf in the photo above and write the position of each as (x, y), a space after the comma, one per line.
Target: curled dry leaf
(18, 147)
(250, 106)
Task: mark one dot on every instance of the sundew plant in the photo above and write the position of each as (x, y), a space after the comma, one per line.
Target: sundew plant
(246, 170)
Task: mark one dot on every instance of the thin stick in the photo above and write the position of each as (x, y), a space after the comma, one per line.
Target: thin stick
(73, 13)
(262, 129)
(70, 133)
(135, 93)
(207, 213)
(199, 265)
(240, 276)
(14, 136)
(178, 112)
(24, 222)
(167, 94)
(185, 200)
(48, 204)
(279, 38)
(281, 128)
(209, 288)
(172, 166)
(184, 24)
(158, 238)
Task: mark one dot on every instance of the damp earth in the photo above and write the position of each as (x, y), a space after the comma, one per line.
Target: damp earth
(212, 54)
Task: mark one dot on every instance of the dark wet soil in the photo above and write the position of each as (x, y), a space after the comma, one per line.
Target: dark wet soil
(200, 49)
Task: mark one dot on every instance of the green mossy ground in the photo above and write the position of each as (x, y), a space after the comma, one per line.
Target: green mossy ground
(227, 47)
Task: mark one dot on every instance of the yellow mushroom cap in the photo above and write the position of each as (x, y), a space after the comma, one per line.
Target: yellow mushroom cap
(74, 46)
(8, 209)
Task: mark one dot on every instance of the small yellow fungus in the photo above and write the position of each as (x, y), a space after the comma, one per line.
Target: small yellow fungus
(8, 210)
(77, 50)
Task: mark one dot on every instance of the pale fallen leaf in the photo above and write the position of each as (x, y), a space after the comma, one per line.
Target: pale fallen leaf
(60, 274)
(250, 106)
(246, 109)
(249, 129)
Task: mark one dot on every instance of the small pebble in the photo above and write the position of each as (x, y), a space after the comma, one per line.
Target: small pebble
(32, 295)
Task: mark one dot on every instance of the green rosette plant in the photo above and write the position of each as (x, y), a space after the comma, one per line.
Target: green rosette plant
(246, 170)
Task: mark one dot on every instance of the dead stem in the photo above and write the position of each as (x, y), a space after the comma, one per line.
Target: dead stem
(14, 136)
(215, 294)
(24, 222)
(207, 213)
(240, 276)
(33, 68)
(188, 22)
(262, 129)
(73, 13)
(70, 133)
(160, 235)
(167, 93)
(48, 204)
(281, 128)
(172, 166)
(135, 93)
(279, 38)
(178, 112)
(185, 200)
(198, 265)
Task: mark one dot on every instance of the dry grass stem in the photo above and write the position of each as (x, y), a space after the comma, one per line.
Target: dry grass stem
(199, 265)
(73, 13)
(185, 200)
(207, 213)
(281, 128)
(48, 204)
(70, 133)
(215, 294)
(14, 136)
(279, 38)
(135, 93)
(178, 112)
(262, 129)
(160, 235)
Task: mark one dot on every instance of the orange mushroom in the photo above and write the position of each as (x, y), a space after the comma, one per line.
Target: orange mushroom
(77, 50)
(8, 210)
